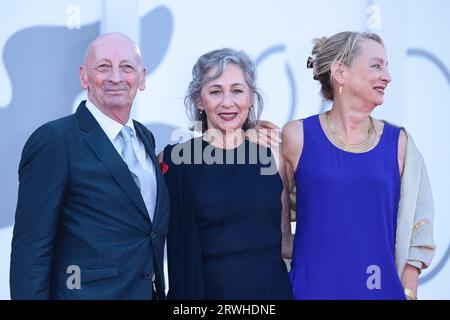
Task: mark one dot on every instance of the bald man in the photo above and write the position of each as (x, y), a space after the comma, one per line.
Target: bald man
(92, 211)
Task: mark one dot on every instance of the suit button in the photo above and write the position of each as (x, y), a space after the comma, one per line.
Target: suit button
(148, 276)
(153, 235)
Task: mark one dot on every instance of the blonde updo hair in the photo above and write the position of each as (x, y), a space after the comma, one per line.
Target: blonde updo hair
(342, 47)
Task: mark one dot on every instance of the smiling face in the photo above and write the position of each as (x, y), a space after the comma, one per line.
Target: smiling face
(226, 100)
(368, 78)
(112, 73)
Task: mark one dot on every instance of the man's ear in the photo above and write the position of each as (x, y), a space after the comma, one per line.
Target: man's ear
(83, 77)
(142, 79)
(338, 72)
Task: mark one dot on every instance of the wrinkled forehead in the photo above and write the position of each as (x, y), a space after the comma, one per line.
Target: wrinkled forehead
(230, 68)
(370, 49)
(113, 49)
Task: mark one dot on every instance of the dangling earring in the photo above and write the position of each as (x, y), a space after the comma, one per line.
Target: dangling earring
(201, 112)
(340, 90)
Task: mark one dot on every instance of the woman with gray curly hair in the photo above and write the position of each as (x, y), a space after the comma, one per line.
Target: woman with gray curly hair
(229, 211)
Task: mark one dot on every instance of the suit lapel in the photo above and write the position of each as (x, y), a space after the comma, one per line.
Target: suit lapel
(149, 148)
(102, 147)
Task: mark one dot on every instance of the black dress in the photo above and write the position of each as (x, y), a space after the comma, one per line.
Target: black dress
(225, 227)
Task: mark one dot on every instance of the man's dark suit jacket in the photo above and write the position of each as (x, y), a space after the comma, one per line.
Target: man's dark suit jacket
(78, 205)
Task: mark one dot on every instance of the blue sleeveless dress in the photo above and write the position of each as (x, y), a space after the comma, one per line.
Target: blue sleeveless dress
(347, 207)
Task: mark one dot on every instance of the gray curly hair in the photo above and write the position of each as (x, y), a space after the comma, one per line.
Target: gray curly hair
(218, 60)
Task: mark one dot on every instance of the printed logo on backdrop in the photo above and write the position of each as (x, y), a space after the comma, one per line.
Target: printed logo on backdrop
(436, 62)
(42, 90)
(288, 73)
(374, 23)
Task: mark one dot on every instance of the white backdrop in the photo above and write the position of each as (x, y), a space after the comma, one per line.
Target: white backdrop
(42, 43)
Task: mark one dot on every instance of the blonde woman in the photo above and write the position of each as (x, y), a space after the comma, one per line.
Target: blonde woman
(355, 213)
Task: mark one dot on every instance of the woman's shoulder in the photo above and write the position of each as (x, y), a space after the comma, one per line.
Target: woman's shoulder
(178, 153)
(292, 133)
(292, 129)
(293, 124)
(381, 125)
(295, 127)
(182, 145)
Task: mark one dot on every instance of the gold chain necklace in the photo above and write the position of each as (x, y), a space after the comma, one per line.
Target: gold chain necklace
(351, 147)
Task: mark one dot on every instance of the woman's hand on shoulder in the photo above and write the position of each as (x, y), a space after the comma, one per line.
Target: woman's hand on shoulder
(265, 134)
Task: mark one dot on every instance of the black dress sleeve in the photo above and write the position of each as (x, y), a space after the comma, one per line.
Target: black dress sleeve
(185, 266)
